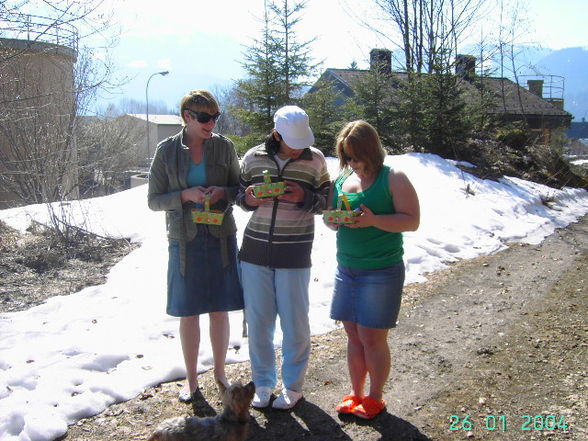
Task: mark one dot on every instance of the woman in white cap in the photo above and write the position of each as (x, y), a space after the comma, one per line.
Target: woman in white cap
(275, 252)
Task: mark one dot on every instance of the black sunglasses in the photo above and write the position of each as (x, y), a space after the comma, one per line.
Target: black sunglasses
(349, 158)
(204, 117)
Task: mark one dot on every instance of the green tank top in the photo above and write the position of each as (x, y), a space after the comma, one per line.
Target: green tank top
(368, 248)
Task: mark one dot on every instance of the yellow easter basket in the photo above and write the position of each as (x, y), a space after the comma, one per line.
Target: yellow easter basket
(269, 189)
(207, 216)
(340, 216)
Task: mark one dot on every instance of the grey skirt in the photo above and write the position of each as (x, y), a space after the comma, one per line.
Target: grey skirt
(206, 286)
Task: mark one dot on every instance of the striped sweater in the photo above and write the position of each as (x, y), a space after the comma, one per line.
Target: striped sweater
(279, 234)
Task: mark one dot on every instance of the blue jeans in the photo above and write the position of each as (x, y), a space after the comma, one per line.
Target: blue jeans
(268, 293)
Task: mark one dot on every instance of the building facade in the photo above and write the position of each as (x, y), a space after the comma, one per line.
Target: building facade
(37, 113)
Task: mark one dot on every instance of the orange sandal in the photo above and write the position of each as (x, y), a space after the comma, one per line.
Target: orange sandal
(369, 408)
(349, 403)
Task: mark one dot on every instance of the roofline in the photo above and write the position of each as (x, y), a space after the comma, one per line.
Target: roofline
(143, 117)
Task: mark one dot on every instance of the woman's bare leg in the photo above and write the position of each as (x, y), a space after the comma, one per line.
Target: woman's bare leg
(355, 359)
(190, 338)
(219, 340)
(377, 358)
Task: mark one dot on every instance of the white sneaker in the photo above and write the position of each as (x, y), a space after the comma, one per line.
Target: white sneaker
(287, 399)
(262, 397)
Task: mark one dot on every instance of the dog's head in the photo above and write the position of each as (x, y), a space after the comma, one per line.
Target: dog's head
(238, 397)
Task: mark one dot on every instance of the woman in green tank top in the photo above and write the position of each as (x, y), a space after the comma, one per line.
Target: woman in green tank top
(370, 270)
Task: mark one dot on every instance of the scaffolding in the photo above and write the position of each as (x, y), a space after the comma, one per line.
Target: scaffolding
(34, 28)
(549, 87)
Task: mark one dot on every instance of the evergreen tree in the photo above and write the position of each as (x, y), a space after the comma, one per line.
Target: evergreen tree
(295, 58)
(372, 101)
(479, 105)
(409, 108)
(445, 119)
(277, 66)
(262, 89)
(431, 114)
(326, 117)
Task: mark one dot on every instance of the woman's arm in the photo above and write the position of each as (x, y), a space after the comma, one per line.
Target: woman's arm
(158, 195)
(315, 196)
(227, 191)
(330, 206)
(406, 204)
(233, 180)
(245, 197)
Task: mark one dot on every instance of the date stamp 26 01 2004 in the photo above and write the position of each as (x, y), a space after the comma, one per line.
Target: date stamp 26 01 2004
(502, 422)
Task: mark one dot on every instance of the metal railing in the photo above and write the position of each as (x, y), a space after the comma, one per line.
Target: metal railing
(553, 86)
(39, 29)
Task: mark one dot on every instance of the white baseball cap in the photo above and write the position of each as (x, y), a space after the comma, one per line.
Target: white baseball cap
(291, 122)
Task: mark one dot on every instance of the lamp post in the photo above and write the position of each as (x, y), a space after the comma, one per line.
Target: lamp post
(162, 73)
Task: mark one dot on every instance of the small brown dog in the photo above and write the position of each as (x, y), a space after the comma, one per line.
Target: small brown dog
(231, 425)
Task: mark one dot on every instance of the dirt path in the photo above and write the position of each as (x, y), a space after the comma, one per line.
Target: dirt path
(478, 347)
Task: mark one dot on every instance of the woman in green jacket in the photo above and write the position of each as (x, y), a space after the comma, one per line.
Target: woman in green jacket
(189, 168)
(370, 271)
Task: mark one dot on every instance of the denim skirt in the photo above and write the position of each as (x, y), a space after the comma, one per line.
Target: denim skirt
(206, 285)
(370, 298)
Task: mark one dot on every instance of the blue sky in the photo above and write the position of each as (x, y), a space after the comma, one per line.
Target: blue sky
(201, 42)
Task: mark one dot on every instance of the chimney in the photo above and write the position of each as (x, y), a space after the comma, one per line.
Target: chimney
(381, 59)
(465, 66)
(535, 87)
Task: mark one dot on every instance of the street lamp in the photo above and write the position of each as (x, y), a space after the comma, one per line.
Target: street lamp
(162, 73)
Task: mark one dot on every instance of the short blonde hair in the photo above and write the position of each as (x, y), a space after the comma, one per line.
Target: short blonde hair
(363, 142)
(199, 101)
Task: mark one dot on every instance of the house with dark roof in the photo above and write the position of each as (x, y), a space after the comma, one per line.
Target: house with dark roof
(160, 127)
(511, 102)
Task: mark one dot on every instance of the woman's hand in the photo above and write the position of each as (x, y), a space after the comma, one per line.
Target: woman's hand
(215, 193)
(250, 198)
(194, 194)
(294, 193)
(367, 218)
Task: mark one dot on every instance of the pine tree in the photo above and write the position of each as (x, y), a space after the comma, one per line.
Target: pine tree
(296, 61)
(431, 114)
(262, 89)
(409, 110)
(277, 66)
(445, 119)
(326, 116)
(372, 101)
